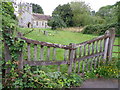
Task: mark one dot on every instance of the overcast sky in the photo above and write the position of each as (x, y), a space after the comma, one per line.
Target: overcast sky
(49, 5)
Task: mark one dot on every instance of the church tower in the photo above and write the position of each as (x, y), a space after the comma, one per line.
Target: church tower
(25, 15)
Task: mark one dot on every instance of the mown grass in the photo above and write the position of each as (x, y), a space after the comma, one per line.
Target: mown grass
(59, 37)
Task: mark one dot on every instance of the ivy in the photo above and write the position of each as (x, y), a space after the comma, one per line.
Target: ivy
(9, 26)
(40, 79)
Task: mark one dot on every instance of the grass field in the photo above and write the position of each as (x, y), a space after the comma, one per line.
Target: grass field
(60, 37)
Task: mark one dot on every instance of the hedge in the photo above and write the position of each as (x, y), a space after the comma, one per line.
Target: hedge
(100, 29)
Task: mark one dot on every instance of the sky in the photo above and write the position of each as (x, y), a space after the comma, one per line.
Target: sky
(48, 6)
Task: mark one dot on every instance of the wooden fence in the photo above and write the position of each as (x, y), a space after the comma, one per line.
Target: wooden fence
(117, 35)
(78, 57)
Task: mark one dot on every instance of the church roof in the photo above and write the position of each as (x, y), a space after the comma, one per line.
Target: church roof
(41, 16)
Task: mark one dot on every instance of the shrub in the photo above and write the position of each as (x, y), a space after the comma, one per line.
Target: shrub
(110, 70)
(92, 29)
(100, 29)
(39, 79)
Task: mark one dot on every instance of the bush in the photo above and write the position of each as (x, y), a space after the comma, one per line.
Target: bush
(100, 29)
(110, 70)
(92, 29)
(40, 79)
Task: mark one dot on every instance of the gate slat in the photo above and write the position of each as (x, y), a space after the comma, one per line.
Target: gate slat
(83, 66)
(79, 67)
(91, 64)
(84, 50)
(65, 54)
(93, 47)
(80, 54)
(41, 52)
(75, 61)
(88, 49)
(95, 62)
(35, 52)
(48, 53)
(80, 51)
(87, 64)
(54, 54)
(28, 51)
(97, 46)
(101, 45)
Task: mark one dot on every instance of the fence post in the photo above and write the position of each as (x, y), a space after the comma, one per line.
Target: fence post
(111, 42)
(20, 58)
(106, 41)
(71, 57)
(7, 56)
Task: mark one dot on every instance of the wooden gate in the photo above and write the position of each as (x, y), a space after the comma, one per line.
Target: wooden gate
(78, 57)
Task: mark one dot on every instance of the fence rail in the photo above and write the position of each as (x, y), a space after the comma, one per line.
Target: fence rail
(117, 35)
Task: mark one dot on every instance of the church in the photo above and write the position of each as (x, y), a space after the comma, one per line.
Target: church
(28, 19)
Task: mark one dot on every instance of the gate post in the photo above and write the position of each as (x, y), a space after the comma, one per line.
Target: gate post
(106, 42)
(7, 56)
(111, 42)
(20, 58)
(71, 57)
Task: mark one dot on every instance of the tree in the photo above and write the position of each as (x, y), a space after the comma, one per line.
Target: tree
(65, 13)
(117, 5)
(9, 21)
(108, 13)
(37, 8)
(81, 13)
(56, 22)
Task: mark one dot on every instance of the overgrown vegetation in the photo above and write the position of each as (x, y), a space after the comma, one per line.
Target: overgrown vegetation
(36, 78)
(100, 29)
(110, 70)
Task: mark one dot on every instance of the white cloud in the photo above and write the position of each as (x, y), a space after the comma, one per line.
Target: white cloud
(49, 5)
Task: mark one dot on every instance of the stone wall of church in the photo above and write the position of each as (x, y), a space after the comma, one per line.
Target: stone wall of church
(40, 24)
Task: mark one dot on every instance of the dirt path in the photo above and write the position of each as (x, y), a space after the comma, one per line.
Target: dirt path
(100, 83)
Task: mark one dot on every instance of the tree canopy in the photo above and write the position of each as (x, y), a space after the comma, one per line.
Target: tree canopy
(117, 5)
(56, 22)
(108, 13)
(78, 13)
(37, 8)
(65, 12)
